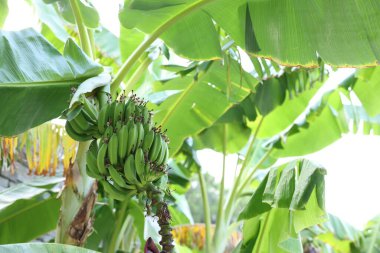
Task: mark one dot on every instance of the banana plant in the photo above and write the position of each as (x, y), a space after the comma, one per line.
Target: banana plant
(216, 36)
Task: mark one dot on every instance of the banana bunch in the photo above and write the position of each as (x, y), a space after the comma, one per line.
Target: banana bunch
(131, 152)
(81, 122)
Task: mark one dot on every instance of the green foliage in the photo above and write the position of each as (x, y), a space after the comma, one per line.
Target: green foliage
(289, 199)
(248, 24)
(23, 205)
(209, 101)
(43, 75)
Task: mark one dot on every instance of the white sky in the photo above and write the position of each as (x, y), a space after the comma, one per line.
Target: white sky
(352, 163)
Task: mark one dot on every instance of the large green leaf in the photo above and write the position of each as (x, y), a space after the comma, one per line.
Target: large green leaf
(42, 248)
(36, 80)
(193, 36)
(189, 100)
(290, 32)
(22, 206)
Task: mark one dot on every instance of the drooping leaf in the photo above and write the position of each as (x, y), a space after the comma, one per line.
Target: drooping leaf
(43, 248)
(36, 86)
(270, 94)
(288, 200)
(284, 190)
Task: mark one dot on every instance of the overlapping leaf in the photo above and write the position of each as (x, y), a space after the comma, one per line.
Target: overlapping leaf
(36, 80)
(197, 104)
(289, 199)
(291, 32)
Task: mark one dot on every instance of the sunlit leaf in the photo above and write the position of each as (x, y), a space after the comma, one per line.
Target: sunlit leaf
(42, 75)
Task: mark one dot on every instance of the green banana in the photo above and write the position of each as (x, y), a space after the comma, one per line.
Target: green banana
(147, 171)
(89, 108)
(146, 115)
(92, 174)
(148, 140)
(155, 148)
(129, 110)
(109, 132)
(118, 126)
(111, 112)
(166, 158)
(140, 163)
(140, 138)
(81, 121)
(102, 119)
(75, 135)
(130, 170)
(91, 161)
(148, 126)
(161, 157)
(128, 186)
(100, 159)
(77, 128)
(138, 111)
(132, 138)
(90, 119)
(117, 178)
(117, 194)
(113, 149)
(118, 114)
(122, 136)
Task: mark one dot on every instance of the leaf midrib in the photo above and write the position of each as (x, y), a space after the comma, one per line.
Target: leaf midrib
(42, 83)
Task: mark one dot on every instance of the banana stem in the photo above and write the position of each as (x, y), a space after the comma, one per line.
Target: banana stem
(83, 35)
(250, 176)
(90, 33)
(232, 197)
(77, 185)
(137, 74)
(120, 218)
(206, 210)
(217, 240)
